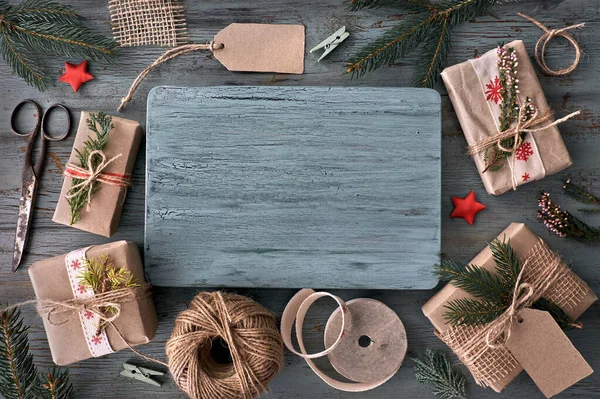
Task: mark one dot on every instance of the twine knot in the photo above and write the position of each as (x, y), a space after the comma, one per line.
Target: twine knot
(247, 330)
(93, 174)
(540, 46)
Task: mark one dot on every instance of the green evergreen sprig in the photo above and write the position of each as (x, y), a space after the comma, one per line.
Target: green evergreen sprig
(102, 275)
(428, 27)
(101, 124)
(493, 291)
(46, 27)
(580, 194)
(19, 378)
(434, 369)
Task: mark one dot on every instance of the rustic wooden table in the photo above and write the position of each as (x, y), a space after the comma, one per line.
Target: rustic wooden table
(98, 378)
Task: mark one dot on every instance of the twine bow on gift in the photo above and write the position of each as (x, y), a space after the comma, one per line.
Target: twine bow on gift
(94, 173)
(521, 126)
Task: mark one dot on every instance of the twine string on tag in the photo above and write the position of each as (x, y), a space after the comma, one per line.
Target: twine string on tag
(169, 55)
(93, 174)
(548, 35)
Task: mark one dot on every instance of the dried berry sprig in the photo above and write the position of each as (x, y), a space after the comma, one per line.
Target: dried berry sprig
(562, 223)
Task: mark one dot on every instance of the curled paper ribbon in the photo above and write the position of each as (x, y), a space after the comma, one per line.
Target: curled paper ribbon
(93, 174)
(296, 311)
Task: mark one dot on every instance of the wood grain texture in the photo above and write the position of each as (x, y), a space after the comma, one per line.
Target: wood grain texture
(98, 378)
(293, 187)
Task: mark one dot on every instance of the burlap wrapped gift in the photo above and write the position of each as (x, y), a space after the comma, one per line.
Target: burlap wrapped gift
(496, 367)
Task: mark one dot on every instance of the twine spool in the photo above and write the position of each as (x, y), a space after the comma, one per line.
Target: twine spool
(236, 323)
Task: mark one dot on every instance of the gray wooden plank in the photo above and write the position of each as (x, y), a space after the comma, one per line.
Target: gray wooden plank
(98, 378)
(292, 187)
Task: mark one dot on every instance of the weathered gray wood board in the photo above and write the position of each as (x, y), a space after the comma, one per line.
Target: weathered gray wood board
(293, 187)
(98, 378)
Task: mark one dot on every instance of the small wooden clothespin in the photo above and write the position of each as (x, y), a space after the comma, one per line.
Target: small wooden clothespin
(141, 374)
(331, 42)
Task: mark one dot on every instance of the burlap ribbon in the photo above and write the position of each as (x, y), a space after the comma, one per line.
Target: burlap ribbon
(482, 348)
(95, 174)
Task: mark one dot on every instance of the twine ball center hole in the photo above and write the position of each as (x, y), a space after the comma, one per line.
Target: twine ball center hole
(219, 352)
(364, 341)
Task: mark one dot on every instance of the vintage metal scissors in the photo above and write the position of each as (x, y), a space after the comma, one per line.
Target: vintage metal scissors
(141, 374)
(32, 173)
(331, 42)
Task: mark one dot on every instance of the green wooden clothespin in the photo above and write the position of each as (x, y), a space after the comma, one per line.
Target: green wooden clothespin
(141, 374)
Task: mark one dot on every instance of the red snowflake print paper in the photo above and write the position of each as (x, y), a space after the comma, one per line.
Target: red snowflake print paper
(97, 340)
(524, 152)
(526, 177)
(492, 90)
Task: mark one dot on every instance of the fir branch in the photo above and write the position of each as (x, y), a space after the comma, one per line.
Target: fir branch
(18, 374)
(430, 29)
(101, 124)
(434, 369)
(475, 280)
(579, 193)
(560, 316)
(46, 27)
(507, 262)
(473, 312)
(56, 385)
(563, 223)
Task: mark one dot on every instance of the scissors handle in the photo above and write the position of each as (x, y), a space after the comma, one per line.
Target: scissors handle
(60, 135)
(37, 116)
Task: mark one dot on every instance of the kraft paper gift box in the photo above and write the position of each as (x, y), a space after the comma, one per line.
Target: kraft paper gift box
(104, 211)
(470, 86)
(569, 292)
(67, 337)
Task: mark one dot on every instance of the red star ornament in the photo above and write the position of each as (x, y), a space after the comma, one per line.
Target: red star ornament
(466, 208)
(76, 75)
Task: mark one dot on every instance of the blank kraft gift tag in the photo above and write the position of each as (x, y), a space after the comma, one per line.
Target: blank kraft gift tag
(261, 48)
(546, 353)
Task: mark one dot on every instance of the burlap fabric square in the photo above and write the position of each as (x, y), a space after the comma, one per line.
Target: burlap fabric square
(148, 22)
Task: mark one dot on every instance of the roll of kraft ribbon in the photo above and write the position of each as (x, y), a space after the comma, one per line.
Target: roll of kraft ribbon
(365, 341)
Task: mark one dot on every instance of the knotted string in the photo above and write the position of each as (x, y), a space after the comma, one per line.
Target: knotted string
(169, 55)
(93, 174)
(515, 133)
(546, 37)
(51, 309)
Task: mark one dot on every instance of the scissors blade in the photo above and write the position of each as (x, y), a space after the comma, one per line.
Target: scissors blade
(24, 220)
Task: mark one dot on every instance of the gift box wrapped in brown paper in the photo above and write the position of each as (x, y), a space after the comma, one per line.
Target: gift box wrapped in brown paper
(474, 91)
(498, 365)
(136, 323)
(104, 211)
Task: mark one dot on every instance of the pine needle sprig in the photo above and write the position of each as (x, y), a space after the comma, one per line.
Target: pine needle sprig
(493, 292)
(19, 377)
(580, 194)
(435, 370)
(46, 27)
(429, 29)
(18, 374)
(101, 125)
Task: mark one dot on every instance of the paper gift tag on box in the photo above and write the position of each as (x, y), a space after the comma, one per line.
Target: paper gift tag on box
(546, 353)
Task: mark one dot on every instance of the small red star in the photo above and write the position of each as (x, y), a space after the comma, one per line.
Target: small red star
(526, 177)
(76, 75)
(466, 208)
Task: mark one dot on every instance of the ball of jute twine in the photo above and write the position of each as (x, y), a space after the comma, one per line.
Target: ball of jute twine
(249, 332)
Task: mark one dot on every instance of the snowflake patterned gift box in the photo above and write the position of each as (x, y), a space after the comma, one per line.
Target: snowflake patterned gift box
(77, 332)
(496, 367)
(490, 94)
(100, 213)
